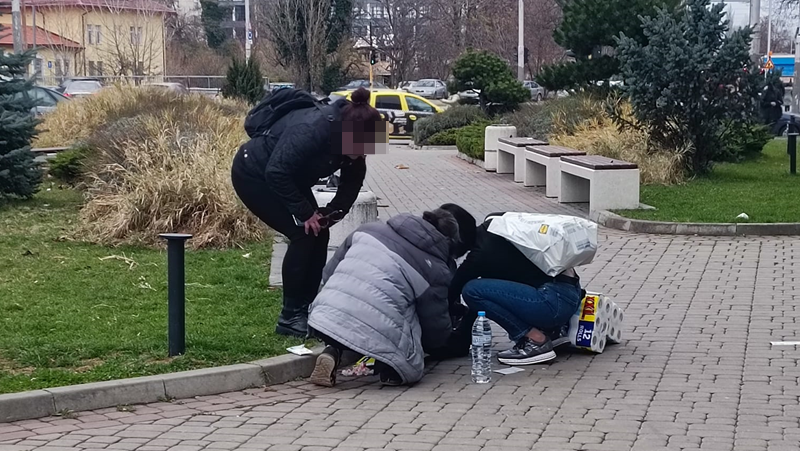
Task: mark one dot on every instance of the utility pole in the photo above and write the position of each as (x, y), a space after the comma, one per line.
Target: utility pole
(796, 81)
(755, 21)
(521, 43)
(769, 27)
(248, 45)
(16, 26)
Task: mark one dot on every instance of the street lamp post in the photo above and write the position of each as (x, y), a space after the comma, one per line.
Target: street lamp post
(755, 22)
(521, 43)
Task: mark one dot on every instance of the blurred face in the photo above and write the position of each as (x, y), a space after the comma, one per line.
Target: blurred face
(360, 139)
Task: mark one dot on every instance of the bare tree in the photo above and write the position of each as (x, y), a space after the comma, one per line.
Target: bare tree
(134, 37)
(396, 29)
(298, 31)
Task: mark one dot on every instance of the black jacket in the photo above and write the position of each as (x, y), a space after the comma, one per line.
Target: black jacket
(301, 148)
(493, 257)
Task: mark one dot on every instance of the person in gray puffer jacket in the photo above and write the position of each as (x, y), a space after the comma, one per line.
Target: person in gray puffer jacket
(384, 296)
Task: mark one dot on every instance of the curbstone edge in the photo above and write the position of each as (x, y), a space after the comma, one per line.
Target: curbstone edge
(615, 221)
(142, 390)
(29, 404)
(98, 395)
(211, 381)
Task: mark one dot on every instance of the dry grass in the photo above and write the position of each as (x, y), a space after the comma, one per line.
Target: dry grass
(599, 135)
(158, 162)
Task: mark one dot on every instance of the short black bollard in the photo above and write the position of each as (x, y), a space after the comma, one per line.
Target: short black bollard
(791, 149)
(176, 275)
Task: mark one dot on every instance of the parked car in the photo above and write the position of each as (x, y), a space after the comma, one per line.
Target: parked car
(784, 125)
(178, 88)
(537, 92)
(355, 84)
(429, 88)
(400, 109)
(404, 85)
(46, 99)
(80, 86)
(469, 96)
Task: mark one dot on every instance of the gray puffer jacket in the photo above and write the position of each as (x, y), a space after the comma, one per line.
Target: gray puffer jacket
(385, 293)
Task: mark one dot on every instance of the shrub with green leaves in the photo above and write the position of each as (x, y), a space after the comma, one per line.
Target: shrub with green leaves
(470, 140)
(491, 76)
(68, 166)
(244, 81)
(453, 117)
(444, 138)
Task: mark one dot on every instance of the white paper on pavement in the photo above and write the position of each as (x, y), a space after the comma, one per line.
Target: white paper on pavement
(509, 370)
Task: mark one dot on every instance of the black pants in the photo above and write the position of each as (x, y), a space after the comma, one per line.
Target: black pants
(306, 255)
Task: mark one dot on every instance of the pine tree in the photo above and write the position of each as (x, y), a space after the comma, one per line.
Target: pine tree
(693, 85)
(491, 76)
(244, 81)
(20, 174)
(588, 27)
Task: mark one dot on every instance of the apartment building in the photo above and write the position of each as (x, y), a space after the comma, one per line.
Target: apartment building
(92, 37)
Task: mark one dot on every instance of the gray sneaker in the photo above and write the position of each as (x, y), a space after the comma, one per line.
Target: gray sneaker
(527, 352)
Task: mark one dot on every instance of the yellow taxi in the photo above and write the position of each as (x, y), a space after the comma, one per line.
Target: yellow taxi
(400, 109)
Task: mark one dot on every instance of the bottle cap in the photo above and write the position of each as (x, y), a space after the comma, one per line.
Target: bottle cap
(481, 313)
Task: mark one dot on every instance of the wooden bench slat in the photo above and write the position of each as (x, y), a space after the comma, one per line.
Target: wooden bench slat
(598, 162)
(522, 142)
(554, 151)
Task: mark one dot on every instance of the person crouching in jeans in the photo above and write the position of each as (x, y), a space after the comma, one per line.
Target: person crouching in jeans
(530, 305)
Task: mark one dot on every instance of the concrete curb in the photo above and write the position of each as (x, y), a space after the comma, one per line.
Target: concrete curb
(416, 147)
(475, 161)
(615, 221)
(142, 390)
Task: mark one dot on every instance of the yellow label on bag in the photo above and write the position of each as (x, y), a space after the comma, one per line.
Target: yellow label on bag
(543, 229)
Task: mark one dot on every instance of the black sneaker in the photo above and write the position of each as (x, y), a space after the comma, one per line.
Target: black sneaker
(527, 352)
(560, 337)
(388, 375)
(324, 373)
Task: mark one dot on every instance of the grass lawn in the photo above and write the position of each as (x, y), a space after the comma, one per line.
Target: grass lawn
(72, 313)
(761, 187)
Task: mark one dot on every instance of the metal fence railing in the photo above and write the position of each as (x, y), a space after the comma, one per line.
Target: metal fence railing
(200, 83)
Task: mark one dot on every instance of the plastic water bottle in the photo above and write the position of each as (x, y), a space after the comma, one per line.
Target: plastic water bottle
(481, 350)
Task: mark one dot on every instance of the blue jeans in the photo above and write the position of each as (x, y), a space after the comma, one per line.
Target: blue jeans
(518, 308)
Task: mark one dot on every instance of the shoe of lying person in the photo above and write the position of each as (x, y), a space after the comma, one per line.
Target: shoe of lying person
(527, 352)
(560, 337)
(324, 373)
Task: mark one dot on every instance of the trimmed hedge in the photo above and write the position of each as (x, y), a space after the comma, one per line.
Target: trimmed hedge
(470, 140)
(443, 138)
(453, 117)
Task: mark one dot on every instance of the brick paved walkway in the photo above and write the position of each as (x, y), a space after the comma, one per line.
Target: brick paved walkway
(696, 370)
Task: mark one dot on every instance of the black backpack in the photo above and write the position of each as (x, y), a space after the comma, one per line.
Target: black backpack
(274, 106)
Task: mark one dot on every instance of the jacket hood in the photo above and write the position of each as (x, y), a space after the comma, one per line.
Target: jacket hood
(421, 234)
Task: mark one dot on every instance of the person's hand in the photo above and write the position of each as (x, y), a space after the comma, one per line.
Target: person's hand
(312, 224)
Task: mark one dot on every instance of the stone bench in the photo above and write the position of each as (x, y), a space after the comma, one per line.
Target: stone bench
(511, 156)
(543, 167)
(606, 183)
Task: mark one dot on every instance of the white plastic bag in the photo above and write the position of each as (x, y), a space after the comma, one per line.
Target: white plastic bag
(554, 243)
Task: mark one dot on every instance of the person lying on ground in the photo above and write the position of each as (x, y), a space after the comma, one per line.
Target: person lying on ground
(530, 305)
(384, 296)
